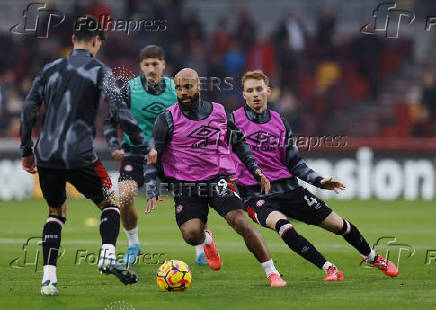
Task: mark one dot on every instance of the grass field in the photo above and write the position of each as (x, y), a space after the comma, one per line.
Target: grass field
(241, 283)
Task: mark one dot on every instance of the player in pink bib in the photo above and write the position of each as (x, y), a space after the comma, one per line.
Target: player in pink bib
(270, 138)
(193, 140)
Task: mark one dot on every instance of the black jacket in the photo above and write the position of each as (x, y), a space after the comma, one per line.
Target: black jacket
(71, 88)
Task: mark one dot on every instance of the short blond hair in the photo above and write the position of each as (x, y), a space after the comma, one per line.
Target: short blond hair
(255, 74)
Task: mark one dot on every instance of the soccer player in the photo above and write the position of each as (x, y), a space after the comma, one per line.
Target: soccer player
(271, 141)
(71, 88)
(191, 142)
(146, 95)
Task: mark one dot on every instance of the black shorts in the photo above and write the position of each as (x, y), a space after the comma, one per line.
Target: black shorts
(92, 181)
(132, 168)
(299, 204)
(194, 201)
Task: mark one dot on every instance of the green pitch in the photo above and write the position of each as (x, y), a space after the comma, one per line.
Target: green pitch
(407, 227)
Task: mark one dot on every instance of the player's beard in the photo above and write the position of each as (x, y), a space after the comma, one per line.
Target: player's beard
(189, 106)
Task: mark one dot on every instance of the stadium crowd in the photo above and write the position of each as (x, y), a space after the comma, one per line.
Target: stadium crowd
(317, 77)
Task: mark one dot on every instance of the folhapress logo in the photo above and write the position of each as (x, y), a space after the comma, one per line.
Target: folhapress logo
(387, 19)
(38, 20)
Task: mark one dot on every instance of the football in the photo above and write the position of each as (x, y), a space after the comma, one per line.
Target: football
(173, 275)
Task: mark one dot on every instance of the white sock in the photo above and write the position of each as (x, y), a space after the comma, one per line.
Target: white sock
(198, 250)
(49, 274)
(269, 268)
(371, 256)
(207, 238)
(132, 235)
(107, 254)
(327, 265)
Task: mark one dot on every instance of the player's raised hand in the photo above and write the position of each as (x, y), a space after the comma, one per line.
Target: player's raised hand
(118, 154)
(152, 156)
(329, 183)
(28, 164)
(151, 205)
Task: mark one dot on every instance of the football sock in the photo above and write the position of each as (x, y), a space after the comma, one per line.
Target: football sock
(327, 265)
(372, 256)
(269, 268)
(132, 235)
(51, 241)
(107, 254)
(109, 224)
(352, 235)
(207, 238)
(199, 250)
(49, 274)
(299, 244)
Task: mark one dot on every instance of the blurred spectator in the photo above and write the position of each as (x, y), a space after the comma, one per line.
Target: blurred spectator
(215, 74)
(192, 31)
(197, 58)
(174, 58)
(327, 73)
(261, 56)
(98, 9)
(14, 128)
(290, 42)
(14, 104)
(169, 13)
(425, 113)
(367, 51)
(287, 64)
(221, 37)
(316, 79)
(429, 94)
(246, 30)
(292, 29)
(325, 27)
(288, 106)
(234, 60)
(7, 55)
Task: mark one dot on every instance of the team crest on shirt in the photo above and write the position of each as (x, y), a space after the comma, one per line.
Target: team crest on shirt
(260, 203)
(204, 135)
(154, 108)
(128, 168)
(263, 141)
(179, 208)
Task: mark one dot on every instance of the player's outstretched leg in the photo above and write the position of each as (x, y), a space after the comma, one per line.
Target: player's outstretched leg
(51, 240)
(300, 245)
(255, 243)
(109, 229)
(352, 235)
(129, 215)
(194, 233)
